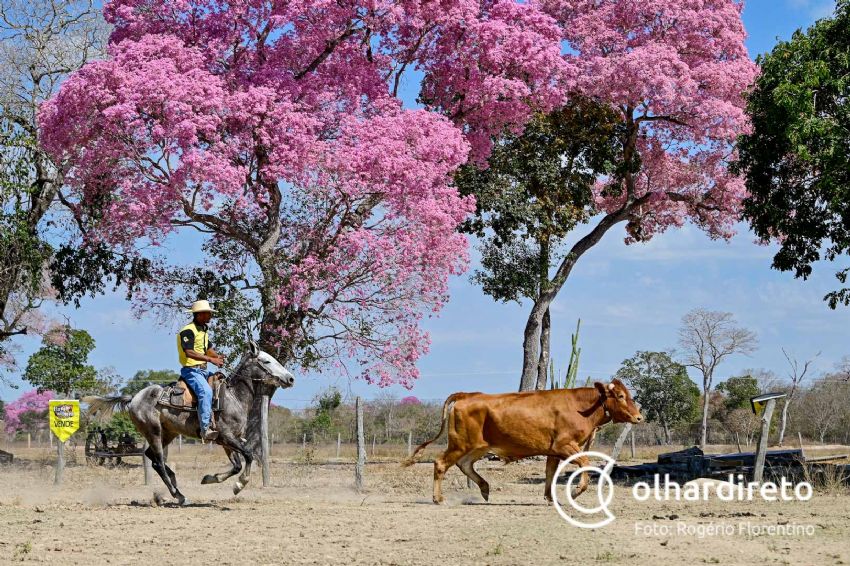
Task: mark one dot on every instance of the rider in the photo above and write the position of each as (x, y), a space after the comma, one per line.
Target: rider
(193, 347)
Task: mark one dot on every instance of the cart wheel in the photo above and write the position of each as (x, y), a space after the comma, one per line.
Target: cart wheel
(91, 448)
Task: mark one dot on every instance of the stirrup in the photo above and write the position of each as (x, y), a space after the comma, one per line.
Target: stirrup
(209, 434)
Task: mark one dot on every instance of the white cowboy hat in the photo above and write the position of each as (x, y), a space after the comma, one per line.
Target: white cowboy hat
(201, 306)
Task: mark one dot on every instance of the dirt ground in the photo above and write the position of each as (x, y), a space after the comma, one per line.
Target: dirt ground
(312, 515)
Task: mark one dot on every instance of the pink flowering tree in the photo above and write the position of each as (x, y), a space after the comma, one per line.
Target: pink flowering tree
(274, 132)
(677, 73)
(28, 413)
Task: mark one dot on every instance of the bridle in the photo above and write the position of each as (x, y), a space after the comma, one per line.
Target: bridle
(238, 369)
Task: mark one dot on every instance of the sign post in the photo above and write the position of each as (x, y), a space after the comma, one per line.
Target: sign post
(764, 405)
(64, 415)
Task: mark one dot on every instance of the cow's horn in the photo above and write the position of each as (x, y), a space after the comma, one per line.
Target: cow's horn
(610, 386)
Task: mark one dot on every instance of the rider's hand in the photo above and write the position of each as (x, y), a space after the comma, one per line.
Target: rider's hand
(217, 360)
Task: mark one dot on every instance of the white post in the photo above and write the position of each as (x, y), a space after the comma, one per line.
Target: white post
(180, 444)
(361, 447)
(761, 451)
(60, 461)
(264, 437)
(338, 442)
(409, 444)
(618, 445)
(146, 465)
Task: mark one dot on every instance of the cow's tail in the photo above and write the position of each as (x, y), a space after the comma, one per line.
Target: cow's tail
(103, 407)
(447, 406)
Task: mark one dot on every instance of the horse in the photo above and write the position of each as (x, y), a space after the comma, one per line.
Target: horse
(161, 424)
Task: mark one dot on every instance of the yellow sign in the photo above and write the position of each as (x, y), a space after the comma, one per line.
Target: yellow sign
(64, 418)
(758, 407)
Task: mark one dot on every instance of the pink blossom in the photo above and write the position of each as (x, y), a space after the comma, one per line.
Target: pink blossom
(29, 402)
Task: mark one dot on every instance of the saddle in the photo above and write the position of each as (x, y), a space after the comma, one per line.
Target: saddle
(178, 395)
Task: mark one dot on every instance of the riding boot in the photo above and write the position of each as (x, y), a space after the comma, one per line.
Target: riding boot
(208, 434)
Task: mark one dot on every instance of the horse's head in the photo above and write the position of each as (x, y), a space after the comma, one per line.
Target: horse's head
(264, 368)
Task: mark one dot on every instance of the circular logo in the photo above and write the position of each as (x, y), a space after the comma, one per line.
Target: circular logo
(604, 491)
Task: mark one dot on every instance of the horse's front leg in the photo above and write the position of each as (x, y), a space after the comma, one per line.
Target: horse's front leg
(236, 462)
(246, 471)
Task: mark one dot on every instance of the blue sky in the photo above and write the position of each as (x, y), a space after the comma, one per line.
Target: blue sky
(629, 298)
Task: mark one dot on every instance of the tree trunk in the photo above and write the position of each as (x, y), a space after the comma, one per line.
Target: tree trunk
(704, 424)
(667, 438)
(543, 364)
(531, 335)
(531, 342)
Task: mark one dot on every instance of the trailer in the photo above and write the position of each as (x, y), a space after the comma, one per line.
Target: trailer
(103, 450)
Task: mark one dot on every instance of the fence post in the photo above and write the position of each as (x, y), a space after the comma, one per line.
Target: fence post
(615, 453)
(60, 461)
(338, 440)
(632, 442)
(800, 438)
(761, 451)
(361, 447)
(738, 442)
(180, 444)
(409, 444)
(29, 439)
(373, 446)
(264, 437)
(146, 464)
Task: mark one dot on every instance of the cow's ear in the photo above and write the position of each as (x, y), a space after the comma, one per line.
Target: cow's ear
(601, 388)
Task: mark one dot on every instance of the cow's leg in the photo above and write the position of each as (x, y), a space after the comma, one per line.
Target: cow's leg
(565, 451)
(441, 464)
(551, 465)
(466, 466)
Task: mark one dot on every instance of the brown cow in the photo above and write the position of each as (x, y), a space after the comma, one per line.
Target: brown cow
(556, 423)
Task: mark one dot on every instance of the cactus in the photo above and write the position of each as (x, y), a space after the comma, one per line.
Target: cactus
(572, 369)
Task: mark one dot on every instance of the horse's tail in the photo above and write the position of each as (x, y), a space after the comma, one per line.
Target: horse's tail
(103, 407)
(447, 406)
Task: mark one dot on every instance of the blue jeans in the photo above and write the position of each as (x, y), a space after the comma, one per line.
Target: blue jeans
(196, 379)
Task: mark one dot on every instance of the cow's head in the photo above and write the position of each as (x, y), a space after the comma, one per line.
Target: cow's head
(618, 402)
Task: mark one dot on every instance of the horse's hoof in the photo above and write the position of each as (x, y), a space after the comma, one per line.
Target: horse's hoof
(438, 500)
(182, 501)
(209, 478)
(237, 487)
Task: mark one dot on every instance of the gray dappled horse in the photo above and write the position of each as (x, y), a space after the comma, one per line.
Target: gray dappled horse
(161, 424)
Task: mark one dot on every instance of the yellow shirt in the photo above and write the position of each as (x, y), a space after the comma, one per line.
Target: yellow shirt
(192, 337)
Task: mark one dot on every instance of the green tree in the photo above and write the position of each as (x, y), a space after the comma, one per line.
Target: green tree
(327, 403)
(61, 364)
(534, 192)
(738, 391)
(796, 159)
(662, 388)
(43, 41)
(146, 377)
